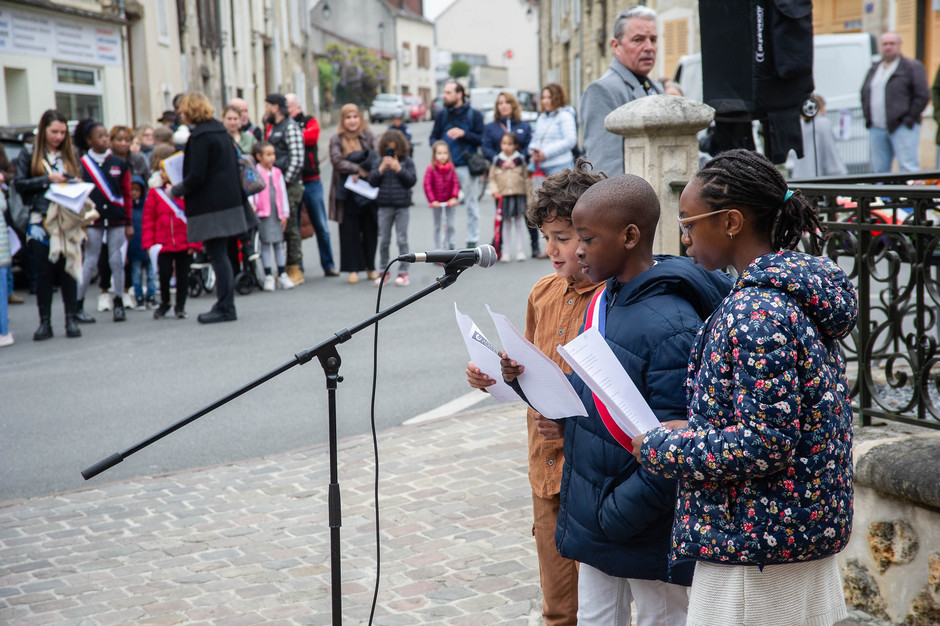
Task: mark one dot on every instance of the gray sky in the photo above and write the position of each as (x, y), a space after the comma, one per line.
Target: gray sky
(433, 8)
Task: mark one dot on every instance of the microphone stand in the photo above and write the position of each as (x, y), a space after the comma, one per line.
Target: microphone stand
(330, 361)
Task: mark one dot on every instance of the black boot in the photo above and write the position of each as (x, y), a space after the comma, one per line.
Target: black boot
(119, 315)
(80, 316)
(45, 328)
(71, 326)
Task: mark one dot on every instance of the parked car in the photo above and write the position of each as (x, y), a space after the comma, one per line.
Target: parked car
(417, 111)
(386, 106)
(840, 63)
(13, 138)
(437, 105)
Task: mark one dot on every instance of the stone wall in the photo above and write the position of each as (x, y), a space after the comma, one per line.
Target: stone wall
(891, 567)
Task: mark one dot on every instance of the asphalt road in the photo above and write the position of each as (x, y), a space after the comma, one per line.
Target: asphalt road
(67, 403)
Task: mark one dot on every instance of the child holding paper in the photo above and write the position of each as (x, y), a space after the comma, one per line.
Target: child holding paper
(765, 463)
(112, 197)
(614, 517)
(553, 315)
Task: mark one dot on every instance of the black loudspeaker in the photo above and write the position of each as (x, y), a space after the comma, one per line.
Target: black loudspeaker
(757, 64)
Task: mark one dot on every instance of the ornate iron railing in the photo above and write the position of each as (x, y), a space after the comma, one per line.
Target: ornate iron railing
(887, 238)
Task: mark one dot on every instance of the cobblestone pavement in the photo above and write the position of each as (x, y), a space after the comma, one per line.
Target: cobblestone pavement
(249, 543)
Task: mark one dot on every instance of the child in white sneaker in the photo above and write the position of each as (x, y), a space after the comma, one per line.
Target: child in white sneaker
(273, 211)
(509, 183)
(394, 175)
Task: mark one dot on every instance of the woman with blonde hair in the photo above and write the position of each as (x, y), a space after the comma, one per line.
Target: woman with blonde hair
(215, 203)
(352, 152)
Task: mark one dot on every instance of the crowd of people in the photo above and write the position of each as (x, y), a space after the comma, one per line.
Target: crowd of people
(745, 485)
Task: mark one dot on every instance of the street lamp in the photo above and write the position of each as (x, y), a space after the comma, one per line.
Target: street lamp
(382, 51)
(326, 10)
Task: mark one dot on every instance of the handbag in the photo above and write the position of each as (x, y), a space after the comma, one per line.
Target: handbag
(18, 211)
(251, 181)
(476, 162)
(306, 226)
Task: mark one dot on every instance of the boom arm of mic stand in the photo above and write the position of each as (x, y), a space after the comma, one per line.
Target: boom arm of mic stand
(301, 358)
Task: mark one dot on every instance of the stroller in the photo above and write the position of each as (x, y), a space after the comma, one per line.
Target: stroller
(201, 275)
(250, 271)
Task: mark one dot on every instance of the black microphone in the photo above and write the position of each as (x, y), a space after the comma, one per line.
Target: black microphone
(484, 256)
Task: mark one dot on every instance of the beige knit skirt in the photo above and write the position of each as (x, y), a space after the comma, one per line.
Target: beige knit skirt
(793, 594)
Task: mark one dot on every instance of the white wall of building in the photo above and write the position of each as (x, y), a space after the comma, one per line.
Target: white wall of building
(414, 78)
(510, 41)
(44, 53)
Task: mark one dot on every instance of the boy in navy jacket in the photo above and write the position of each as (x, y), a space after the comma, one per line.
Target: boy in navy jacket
(615, 518)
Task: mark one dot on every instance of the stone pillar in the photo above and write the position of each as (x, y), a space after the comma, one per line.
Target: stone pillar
(660, 145)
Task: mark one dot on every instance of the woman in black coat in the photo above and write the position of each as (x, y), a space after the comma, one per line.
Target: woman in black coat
(215, 203)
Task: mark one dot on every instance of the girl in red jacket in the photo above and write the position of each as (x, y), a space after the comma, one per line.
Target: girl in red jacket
(442, 188)
(164, 225)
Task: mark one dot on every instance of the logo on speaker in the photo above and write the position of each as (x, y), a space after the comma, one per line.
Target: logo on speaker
(759, 56)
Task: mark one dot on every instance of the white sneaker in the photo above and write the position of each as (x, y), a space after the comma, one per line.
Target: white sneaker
(6, 340)
(269, 283)
(130, 302)
(284, 282)
(505, 259)
(520, 256)
(104, 302)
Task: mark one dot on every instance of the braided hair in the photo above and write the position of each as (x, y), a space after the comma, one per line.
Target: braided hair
(747, 179)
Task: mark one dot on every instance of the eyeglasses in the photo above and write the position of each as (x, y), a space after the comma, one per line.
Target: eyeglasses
(685, 223)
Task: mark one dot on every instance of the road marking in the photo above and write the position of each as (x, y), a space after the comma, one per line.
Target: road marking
(449, 408)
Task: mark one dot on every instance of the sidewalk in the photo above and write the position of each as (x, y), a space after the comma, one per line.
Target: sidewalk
(249, 543)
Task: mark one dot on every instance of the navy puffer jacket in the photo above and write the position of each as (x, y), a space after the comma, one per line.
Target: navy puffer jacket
(615, 516)
(765, 467)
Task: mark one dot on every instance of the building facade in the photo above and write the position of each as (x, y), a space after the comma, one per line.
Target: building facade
(574, 35)
(71, 56)
(503, 32)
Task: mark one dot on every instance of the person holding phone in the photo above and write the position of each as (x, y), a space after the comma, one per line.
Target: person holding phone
(50, 162)
(394, 175)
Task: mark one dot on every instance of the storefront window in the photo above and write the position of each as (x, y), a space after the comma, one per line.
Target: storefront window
(78, 93)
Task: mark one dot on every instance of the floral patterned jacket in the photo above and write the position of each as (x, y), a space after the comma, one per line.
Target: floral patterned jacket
(765, 465)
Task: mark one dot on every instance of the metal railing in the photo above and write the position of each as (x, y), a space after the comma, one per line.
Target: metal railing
(886, 235)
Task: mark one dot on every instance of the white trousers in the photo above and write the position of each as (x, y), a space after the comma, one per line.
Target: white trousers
(605, 600)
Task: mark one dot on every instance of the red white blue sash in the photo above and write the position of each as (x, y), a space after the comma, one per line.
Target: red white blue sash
(100, 181)
(177, 211)
(597, 318)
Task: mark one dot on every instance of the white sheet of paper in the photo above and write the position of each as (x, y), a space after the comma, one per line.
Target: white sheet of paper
(15, 244)
(173, 166)
(544, 384)
(593, 360)
(70, 195)
(361, 187)
(484, 356)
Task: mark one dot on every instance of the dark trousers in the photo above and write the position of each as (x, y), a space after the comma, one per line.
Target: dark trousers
(358, 239)
(217, 249)
(165, 263)
(46, 275)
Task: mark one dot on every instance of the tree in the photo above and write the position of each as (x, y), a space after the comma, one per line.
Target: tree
(359, 73)
(459, 69)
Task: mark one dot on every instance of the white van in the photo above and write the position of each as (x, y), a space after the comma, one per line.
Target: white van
(840, 63)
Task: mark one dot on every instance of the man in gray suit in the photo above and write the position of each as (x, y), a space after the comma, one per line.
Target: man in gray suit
(634, 47)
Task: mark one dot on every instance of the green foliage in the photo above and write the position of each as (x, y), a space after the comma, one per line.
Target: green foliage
(327, 80)
(359, 76)
(459, 69)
